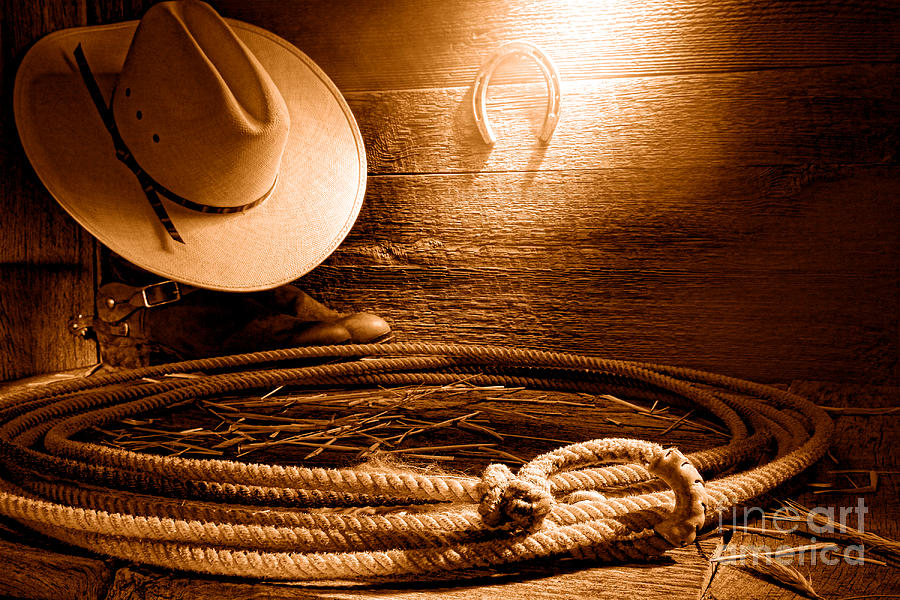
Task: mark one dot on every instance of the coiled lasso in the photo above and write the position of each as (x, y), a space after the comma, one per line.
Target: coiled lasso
(604, 499)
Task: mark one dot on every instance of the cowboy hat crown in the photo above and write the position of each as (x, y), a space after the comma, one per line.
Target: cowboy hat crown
(187, 127)
(196, 109)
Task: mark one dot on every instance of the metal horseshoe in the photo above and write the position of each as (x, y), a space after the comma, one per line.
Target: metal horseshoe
(482, 80)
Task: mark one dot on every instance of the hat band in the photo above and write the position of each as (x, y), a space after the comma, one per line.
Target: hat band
(152, 188)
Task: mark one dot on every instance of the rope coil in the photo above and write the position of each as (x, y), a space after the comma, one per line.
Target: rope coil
(606, 499)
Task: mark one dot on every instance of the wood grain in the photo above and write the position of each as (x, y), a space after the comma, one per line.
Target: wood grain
(36, 303)
(674, 241)
(756, 272)
(46, 259)
(40, 574)
(860, 443)
(720, 193)
(823, 116)
(113, 11)
(365, 45)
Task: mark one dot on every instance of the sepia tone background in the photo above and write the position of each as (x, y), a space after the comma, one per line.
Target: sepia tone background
(721, 191)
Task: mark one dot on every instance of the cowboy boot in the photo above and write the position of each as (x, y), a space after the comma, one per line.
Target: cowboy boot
(143, 324)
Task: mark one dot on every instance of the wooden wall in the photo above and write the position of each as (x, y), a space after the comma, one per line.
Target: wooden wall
(721, 191)
(46, 260)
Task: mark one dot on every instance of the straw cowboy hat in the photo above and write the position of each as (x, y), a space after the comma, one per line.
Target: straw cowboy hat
(205, 150)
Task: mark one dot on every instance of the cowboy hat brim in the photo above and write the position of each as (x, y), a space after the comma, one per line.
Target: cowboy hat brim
(317, 196)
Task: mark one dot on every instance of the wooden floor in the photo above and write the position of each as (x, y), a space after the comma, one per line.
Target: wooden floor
(39, 569)
(864, 443)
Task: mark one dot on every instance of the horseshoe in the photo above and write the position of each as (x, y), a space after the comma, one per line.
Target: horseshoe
(482, 80)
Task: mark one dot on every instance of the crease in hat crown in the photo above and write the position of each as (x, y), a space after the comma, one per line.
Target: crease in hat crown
(197, 110)
(231, 116)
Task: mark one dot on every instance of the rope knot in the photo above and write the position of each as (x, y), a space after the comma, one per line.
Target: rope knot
(506, 498)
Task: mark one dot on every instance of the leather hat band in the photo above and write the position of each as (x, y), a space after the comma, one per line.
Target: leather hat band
(152, 188)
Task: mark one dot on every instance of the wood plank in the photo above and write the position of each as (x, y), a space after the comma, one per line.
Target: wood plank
(114, 11)
(775, 117)
(46, 259)
(36, 573)
(365, 45)
(687, 266)
(861, 442)
(36, 303)
(754, 219)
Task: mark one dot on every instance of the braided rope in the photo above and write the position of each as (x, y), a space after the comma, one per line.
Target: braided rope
(285, 522)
